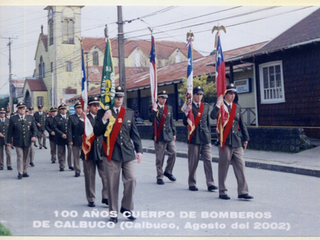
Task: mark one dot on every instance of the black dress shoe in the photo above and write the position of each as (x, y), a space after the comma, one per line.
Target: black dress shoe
(193, 188)
(35, 145)
(245, 196)
(61, 169)
(77, 175)
(170, 176)
(91, 204)
(71, 168)
(1, 168)
(53, 162)
(45, 147)
(105, 201)
(9, 168)
(212, 188)
(224, 197)
(40, 147)
(25, 175)
(32, 164)
(19, 176)
(127, 214)
(160, 181)
(114, 220)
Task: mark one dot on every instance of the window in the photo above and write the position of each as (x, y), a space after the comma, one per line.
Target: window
(40, 101)
(271, 82)
(68, 31)
(50, 33)
(95, 57)
(137, 59)
(178, 58)
(41, 68)
(69, 66)
(51, 66)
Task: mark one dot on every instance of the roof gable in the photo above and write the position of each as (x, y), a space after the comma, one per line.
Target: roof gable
(36, 84)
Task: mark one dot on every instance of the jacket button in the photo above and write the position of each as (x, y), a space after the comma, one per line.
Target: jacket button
(97, 139)
(121, 143)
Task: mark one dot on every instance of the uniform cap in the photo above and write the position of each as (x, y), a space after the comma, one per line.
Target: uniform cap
(21, 105)
(78, 105)
(62, 106)
(119, 92)
(231, 88)
(163, 94)
(93, 100)
(198, 90)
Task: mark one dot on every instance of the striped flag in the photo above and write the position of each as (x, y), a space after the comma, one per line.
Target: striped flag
(189, 90)
(223, 115)
(88, 136)
(153, 72)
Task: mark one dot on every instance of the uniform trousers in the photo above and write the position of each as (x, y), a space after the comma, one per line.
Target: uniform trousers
(160, 149)
(31, 153)
(22, 159)
(42, 138)
(62, 156)
(89, 169)
(113, 169)
(234, 155)
(76, 151)
(53, 151)
(194, 152)
(8, 155)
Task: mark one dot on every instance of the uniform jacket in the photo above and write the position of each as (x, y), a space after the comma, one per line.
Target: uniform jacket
(40, 119)
(169, 127)
(50, 127)
(60, 127)
(96, 149)
(234, 139)
(21, 131)
(202, 134)
(4, 126)
(123, 148)
(74, 135)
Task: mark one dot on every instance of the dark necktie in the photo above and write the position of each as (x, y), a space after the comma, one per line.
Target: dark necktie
(117, 111)
(229, 108)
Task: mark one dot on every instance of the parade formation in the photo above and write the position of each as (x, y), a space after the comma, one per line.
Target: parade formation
(104, 134)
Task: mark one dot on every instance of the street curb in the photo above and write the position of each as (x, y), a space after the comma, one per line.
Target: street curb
(257, 165)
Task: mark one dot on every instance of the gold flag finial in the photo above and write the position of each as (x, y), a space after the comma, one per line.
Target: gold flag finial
(190, 35)
(218, 28)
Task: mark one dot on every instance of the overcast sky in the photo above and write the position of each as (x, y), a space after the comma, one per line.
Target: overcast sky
(244, 25)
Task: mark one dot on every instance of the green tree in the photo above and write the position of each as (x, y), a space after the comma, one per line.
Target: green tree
(209, 88)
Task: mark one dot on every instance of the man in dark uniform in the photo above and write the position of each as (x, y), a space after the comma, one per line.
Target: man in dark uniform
(60, 127)
(31, 111)
(200, 142)
(233, 151)
(52, 134)
(164, 136)
(4, 125)
(23, 130)
(74, 137)
(8, 114)
(40, 117)
(120, 154)
(94, 158)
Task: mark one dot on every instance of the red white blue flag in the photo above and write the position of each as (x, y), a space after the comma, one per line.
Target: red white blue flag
(223, 115)
(189, 90)
(153, 72)
(88, 136)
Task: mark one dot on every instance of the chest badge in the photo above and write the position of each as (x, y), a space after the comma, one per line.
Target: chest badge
(120, 120)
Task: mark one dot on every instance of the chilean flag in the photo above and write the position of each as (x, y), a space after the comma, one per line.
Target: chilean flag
(88, 136)
(223, 115)
(189, 90)
(153, 72)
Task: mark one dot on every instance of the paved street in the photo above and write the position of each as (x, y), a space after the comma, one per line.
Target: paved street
(53, 203)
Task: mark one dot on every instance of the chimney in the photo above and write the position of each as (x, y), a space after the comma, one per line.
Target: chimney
(42, 29)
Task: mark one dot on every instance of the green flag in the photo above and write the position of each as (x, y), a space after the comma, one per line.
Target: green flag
(107, 92)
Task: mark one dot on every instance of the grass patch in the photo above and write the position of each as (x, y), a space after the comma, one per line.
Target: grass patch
(4, 231)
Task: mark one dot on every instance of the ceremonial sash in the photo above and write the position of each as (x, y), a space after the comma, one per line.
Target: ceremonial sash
(162, 120)
(229, 124)
(197, 120)
(114, 134)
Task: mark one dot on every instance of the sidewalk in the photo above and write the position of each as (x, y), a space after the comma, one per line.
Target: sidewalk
(305, 163)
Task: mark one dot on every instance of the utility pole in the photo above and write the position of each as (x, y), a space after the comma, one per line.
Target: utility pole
(87, 62)
(10, 74)
(122, 70)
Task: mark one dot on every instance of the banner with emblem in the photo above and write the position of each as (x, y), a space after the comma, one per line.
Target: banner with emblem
(107, 92)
